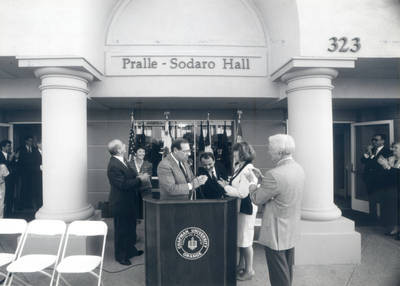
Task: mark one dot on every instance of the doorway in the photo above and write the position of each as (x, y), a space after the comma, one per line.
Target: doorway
(22, 130)
(342, 164)
(361, 134)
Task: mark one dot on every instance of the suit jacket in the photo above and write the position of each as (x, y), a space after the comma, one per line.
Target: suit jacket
(29, 161)
(172, 181)
(211, 189)
(124, 187)
(281, 193)
(373, 171)
(147, 168)
(3, 159)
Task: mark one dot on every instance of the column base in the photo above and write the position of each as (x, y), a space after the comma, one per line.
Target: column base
(321, 215)
(328, 242)
(67, 216)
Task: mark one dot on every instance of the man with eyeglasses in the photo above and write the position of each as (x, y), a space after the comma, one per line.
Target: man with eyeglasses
(175, 176)
(373, 172)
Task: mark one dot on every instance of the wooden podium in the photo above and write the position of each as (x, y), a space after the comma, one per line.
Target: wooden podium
(190, 242)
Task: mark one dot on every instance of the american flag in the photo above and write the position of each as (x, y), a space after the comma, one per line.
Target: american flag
(132, 139)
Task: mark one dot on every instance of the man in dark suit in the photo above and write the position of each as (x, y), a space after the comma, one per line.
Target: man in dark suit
(176, 179)
(125, 184)
(27, 165)
(373, 172)
(214, 172)
(8, 158)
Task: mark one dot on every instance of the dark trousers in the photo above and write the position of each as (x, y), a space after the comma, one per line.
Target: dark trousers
(389, 207)
(9, 196)
(280, 266)
(374, 198)
(124, 237)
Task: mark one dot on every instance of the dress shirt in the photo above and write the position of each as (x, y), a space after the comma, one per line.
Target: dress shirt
(5, 155)
(179, 164)
(121, 158)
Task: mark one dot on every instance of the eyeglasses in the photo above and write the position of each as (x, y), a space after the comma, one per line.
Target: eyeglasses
(186, 151)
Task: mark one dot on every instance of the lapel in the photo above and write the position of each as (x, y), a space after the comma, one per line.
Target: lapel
(177, 168)
(119, 163)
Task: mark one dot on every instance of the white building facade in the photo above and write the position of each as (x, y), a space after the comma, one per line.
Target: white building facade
(326, 72)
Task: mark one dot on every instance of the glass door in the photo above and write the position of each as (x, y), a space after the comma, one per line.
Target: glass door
(361, 134)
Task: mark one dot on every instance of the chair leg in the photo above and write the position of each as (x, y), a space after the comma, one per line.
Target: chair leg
(58, 278)
(9, 280)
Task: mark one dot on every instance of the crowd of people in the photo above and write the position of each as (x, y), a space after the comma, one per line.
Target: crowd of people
(278, 192)
(382, 180)
(20, 177)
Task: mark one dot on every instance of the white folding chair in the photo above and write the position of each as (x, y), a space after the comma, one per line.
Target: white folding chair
(83, 263)
(11, 227)
(31, 263)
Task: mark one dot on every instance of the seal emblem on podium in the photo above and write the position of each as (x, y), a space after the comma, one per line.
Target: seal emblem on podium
(192, 243)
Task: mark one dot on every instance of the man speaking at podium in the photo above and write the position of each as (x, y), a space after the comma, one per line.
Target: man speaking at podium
(176, 179)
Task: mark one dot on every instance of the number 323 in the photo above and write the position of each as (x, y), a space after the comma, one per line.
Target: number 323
(342, 46)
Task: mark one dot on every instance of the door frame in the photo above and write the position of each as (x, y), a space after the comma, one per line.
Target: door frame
(10, 130)
(348, 171)
(357, 204)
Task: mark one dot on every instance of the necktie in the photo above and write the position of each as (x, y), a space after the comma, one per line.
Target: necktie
(213, 175)
(183, 171)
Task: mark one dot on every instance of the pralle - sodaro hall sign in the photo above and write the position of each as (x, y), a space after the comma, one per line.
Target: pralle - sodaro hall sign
(209, 64)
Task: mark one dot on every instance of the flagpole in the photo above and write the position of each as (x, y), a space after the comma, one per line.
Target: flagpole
(132, 127)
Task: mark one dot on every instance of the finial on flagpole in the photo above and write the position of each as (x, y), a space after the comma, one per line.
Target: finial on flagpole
(239, 113)
(132, 118)
(166, 114)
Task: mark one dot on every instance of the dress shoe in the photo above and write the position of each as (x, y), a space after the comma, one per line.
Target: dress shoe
(138, 253)
(239, 270)
(391, 233)
(246, 276)
(124, 262)
(2, 281)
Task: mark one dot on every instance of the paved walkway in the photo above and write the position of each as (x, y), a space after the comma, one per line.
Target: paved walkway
(380, 266)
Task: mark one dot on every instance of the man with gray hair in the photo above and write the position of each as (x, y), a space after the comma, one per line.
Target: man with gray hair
(125, 183)
(280, 193)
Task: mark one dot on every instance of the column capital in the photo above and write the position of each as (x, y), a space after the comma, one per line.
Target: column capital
(312, 78)
(63, 78)
(310, 72)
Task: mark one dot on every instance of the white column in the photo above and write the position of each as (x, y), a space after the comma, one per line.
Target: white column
(64, 143)
(309, 94)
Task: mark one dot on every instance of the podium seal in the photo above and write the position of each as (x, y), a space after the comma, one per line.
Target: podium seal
(192, 243)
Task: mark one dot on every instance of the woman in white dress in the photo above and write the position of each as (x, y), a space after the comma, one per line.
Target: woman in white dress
(243, 155)
(3, 174)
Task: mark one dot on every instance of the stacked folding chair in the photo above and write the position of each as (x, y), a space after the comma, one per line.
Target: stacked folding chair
(12, 227)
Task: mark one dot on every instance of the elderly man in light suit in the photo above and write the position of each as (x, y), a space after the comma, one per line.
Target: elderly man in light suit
(280, 193)
(175, 177)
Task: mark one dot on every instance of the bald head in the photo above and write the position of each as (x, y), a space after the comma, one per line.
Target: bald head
(116, 147)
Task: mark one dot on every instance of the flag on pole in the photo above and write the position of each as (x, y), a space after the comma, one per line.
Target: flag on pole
(239, 132)
(201, 138)
(142, 138)
(166, 137)
(225, 154)
(132, 139)
(207, 144)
